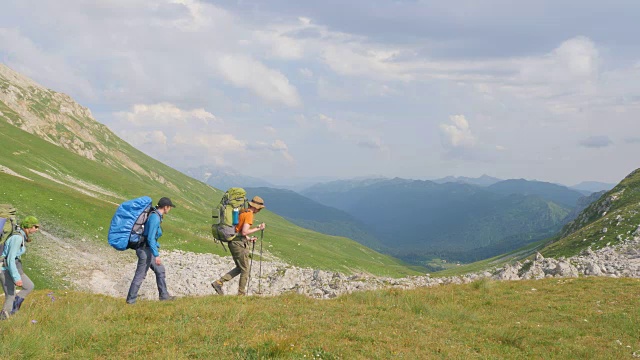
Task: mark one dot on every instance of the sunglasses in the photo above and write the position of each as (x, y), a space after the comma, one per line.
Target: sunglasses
(36, 226)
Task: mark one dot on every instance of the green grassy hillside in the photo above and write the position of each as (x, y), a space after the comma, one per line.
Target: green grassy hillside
(613, 218)
(75, 196)
(484, 320)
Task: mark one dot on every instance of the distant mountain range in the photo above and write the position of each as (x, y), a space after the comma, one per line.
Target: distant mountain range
(420, 220)
(312, 215)
(551, 192)
(483, 180)
(593, 186)
(467, 219)
(225, 177)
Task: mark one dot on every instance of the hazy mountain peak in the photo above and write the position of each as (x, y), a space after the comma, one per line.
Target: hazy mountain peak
(224, 177)
(483, 180)
(593, 186)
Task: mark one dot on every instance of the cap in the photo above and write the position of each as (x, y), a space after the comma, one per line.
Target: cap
(165, 201)
(29, 221)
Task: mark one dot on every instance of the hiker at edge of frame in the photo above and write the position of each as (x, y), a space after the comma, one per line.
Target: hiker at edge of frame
(239, 247)
(148, 255)
(12, 275)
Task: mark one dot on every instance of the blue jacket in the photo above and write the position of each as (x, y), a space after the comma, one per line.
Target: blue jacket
(153, 231)
(13, 249)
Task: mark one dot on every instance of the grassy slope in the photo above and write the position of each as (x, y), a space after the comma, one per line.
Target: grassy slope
(621, 220)
(70, 213)
(489, 320)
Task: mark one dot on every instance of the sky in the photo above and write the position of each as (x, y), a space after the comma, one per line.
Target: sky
(286, 89)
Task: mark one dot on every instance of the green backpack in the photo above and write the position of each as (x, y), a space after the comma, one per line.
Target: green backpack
(8, 221)
(233, 202)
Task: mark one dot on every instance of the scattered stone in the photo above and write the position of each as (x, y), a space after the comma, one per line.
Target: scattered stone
(100, 269)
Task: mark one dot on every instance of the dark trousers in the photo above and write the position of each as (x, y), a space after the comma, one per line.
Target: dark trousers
(146, 260)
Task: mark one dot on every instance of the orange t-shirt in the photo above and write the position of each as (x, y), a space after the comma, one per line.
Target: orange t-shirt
(244, 218)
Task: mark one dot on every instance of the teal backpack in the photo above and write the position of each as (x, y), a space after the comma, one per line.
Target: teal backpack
(225, 214)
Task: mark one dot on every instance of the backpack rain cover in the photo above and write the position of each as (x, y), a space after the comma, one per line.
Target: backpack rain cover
(121, 231)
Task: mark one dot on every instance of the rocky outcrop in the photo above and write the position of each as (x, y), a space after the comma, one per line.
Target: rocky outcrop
(594, 211)
(58, 119)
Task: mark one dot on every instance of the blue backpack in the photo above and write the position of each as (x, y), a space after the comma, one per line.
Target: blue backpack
(127, 224)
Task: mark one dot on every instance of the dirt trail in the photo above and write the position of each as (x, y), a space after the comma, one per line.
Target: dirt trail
(98, 268)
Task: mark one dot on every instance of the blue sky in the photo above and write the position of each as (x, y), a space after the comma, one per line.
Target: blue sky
(294, 89)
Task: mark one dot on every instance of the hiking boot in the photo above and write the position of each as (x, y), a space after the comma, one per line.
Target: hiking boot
(17, 303)
(4, 315)
(217, 286)
(169, 298)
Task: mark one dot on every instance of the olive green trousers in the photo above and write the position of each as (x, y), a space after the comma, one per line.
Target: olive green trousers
(240, 253)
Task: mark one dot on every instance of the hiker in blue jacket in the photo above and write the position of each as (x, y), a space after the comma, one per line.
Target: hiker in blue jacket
(148, 255)
(11, 274)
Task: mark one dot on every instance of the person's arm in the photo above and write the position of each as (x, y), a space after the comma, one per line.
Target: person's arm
(154, 225)
(246, 227)
(14, 243)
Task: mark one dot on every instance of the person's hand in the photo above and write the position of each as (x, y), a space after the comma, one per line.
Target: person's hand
(252, 239)
(19, 283)
(262, 226)
(158, 261)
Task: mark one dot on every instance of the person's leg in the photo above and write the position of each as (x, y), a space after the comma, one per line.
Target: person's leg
(242, 261)
(27, 284)
(144, 262)
(161, 281)
(9, 292)
(27, 288)
(235, 248)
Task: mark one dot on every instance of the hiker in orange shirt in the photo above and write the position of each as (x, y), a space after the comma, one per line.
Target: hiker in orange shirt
(239, 247)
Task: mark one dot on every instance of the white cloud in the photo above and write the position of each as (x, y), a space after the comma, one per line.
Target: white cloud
(52, 70)
(165, 114)
(329, 122)
(306, 73)
(118, 47)
(243, 71)
(165, 67)
(277, 147)
(278, 45)
(157, 137)
(332, 92)
(458, 133)
(374, 143)
(166, 131)
(352, 133)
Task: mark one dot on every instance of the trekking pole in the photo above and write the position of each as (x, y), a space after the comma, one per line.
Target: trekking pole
(250, 264)
(260, 272)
